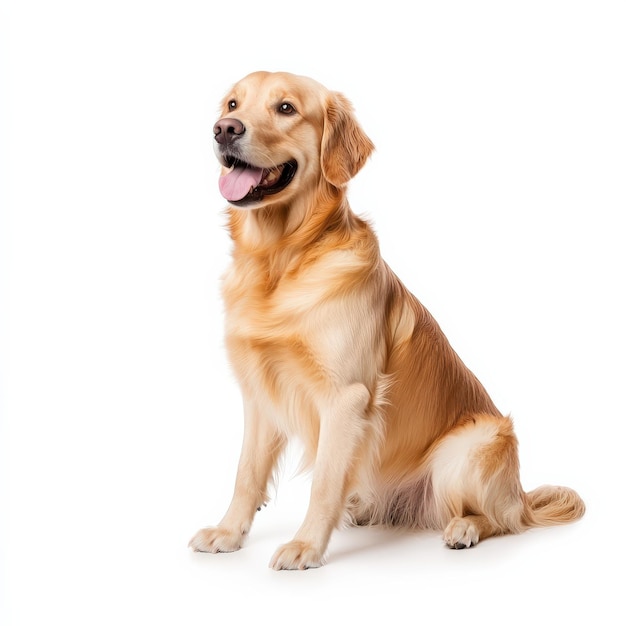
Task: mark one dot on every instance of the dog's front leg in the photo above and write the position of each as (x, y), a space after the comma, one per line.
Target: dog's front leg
(342, 426)
(262, 445)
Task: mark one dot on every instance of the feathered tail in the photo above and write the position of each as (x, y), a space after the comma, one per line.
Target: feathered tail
(549, 505)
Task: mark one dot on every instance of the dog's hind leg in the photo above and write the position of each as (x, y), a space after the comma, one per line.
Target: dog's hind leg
(476, 489)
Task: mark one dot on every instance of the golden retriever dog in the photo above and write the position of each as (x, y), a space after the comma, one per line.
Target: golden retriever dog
(331, 348)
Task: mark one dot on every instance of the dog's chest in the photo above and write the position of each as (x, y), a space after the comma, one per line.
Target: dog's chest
(276, 343)
(263, 303)
(301, 332)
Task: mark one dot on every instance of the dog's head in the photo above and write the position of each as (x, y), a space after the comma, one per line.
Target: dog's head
(280, 135)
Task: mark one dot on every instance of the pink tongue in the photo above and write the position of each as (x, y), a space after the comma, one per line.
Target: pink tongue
(239, 181)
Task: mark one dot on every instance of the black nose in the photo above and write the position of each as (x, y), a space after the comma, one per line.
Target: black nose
(227, 130)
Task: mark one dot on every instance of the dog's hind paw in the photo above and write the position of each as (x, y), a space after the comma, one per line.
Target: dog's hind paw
(461, 533)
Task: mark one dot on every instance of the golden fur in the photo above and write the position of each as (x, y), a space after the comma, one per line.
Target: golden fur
(330, 347)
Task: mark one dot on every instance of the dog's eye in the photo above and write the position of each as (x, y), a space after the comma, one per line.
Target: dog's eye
(232, 105)
(286, 108)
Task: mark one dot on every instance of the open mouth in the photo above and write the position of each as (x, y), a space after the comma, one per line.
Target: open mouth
(244, 183)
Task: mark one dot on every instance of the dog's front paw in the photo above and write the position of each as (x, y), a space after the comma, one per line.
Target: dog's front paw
(296, 555)
(461, 533)
(216, 539)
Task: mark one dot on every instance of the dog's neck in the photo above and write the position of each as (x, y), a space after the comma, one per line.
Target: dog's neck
(288, 226)
(278, 237)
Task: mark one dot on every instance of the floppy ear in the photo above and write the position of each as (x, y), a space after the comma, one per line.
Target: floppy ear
(345, 147)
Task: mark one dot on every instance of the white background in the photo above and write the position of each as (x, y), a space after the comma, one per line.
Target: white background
(498, 192)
